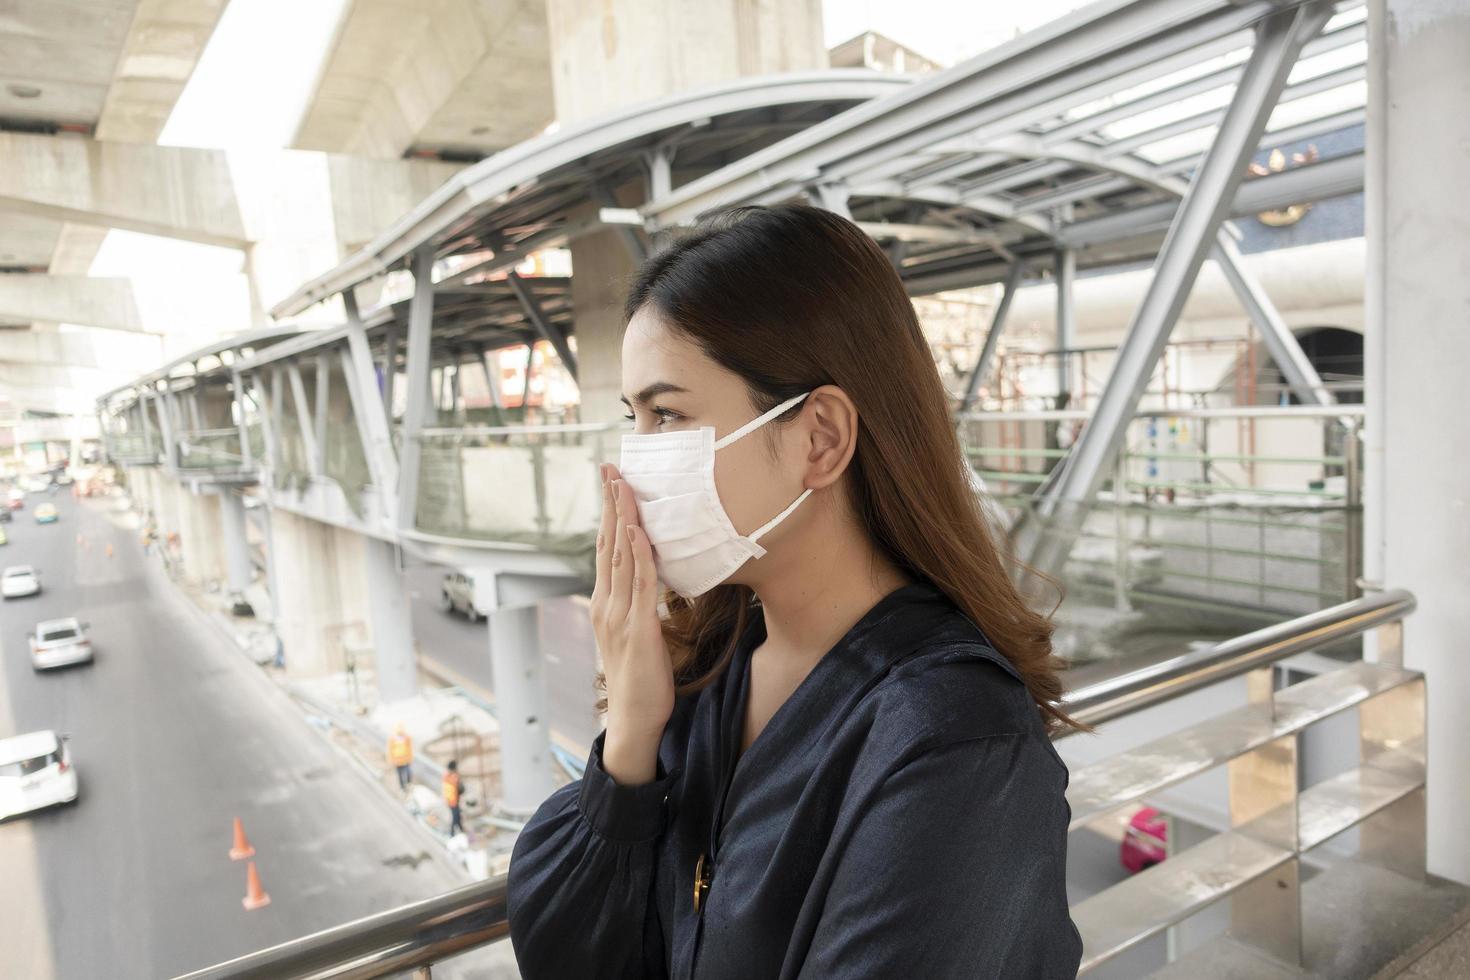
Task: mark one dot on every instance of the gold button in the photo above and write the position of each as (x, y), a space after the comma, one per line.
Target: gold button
(702, 878)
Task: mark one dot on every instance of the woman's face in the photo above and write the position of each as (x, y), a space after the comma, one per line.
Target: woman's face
(669, 384)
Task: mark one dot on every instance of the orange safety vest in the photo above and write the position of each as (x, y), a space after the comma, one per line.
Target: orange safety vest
(451, 788)
(400, 750)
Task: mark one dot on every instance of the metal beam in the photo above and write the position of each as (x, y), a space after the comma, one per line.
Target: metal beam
(1076, 58)
(390, 368)
(269, 430)
(303, 418)
(1066, 275)
(277, 415)
(323, 389)
(456, 395)
(544, 326)
(1045, 544)
(169, 428)
(992, 337)
(420, 327)
(1339, 38)
(247, 456)
(1285, 350)
(191, 400)
(1311, 182)
(632, 240)
(149, 442)
(368, 405)
(833, 197)
(492, 381)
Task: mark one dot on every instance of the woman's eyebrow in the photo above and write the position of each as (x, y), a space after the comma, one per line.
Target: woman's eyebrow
(653, 390)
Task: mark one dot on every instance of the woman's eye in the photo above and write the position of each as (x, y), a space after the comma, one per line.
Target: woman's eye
(660, 415)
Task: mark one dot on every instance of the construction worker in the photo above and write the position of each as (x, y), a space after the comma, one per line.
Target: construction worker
(400, 754)
(452, 793)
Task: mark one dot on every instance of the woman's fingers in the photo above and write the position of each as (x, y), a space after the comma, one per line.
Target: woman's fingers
(622, 563)
(643, 604)
(602, 586)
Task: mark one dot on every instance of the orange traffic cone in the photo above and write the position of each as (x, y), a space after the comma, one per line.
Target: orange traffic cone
(255, 896)
(242, 848)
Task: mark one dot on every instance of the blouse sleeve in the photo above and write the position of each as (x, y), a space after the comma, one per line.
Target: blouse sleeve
(956, 869)
(579, 888)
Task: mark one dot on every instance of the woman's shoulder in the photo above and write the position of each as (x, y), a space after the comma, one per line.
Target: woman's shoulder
(953, 687)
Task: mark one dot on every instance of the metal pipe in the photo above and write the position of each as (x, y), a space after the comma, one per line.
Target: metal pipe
(992, 336)
(1167, 679)
(406, 938)
(417, 935)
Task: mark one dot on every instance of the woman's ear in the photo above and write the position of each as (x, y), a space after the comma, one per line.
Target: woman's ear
(831, 423)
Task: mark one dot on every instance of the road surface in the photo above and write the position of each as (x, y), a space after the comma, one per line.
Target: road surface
(464, 647)
(173, 735)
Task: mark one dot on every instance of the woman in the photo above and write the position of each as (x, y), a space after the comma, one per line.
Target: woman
(815, 764)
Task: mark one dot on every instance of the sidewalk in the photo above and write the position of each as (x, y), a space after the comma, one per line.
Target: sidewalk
(1441, 955)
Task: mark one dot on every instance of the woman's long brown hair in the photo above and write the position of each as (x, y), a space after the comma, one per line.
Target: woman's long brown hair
(792, 297)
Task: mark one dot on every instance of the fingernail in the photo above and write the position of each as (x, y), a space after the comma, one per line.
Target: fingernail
(632, 532)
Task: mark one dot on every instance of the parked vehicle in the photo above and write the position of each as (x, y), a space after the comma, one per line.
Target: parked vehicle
(60, 643)
(457, 594)
(46, 514)
(19, 580)
(35, 772)
(5, 515)
(16, 498)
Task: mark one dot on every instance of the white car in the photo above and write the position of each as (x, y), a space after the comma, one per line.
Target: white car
(59, 643)
(19, 580)
(35, 772)
(457, 594)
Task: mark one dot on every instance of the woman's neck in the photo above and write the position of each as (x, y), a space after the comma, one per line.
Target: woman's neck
(827, 579)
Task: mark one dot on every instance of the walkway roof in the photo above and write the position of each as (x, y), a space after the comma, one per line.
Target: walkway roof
(1082, 133)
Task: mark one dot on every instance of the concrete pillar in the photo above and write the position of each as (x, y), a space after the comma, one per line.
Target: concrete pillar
(306, 596)
(200, 535)
(266, 527)
(1416, 346)
(608, 55)
(238, 573)
(392, 626)
(522, 706)
(600, 58)
(166, 504)
(603, 266)
(520, 697)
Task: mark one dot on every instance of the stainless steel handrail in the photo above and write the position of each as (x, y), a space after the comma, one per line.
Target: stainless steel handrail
(415, 936)
(1129, 692)
(406, 938)
(1237, 412)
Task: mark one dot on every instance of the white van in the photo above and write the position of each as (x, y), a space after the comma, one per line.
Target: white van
(35, 772)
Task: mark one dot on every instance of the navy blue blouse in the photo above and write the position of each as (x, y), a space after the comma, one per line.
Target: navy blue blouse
(902, 814)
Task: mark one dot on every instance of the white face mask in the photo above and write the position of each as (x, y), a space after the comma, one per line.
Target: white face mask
(672, 475)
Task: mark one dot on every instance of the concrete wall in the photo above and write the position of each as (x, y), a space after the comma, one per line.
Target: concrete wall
(1418, 349)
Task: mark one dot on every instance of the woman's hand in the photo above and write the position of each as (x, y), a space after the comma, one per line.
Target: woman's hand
(635, 659)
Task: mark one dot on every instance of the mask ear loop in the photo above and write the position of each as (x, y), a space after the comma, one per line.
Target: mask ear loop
(756, 534)
(756, 423)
